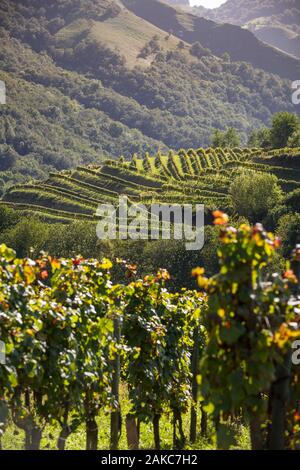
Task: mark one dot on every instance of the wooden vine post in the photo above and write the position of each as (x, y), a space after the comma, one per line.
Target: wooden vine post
(132, 432)
(115, 421)
(280, 392)
(195, 373)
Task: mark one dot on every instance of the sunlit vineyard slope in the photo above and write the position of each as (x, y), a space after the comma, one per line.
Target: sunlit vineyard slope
(192, 176)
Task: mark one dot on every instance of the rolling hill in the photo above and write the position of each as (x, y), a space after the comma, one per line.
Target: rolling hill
(192, 176)
(90, 80)
(276, 23)
(241, 44)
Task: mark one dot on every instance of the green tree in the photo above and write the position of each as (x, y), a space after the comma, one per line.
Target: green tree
(292, 200)
(229, 138)
(226, 57)
(197, 50)
(232, 138)
(217, 138)
(294, 139)
(284, 125)
(8, 217)
(260, 138)
(8, 157)
(254, 194)
(288, 230)
(27, 235)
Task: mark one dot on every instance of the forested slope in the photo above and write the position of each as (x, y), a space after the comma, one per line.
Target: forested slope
(76, 95)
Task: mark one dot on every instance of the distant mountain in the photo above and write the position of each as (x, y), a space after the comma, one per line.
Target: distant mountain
(241, 44)
(243, 11)
(178, 2)
(89, 79)
(275, 22)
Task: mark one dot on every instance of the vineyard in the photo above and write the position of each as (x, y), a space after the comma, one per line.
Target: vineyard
(149, 231)
(192, 176)
(215, 359)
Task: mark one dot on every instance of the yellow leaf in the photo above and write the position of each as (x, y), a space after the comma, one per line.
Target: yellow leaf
(221, 312)
(106, 264)
(29, 274)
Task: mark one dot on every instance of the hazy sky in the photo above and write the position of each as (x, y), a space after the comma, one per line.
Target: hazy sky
(207, 3)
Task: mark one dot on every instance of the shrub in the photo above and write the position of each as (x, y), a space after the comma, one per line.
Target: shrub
(254, 194)
(284, 125)
(199, 51)
(292, 200)
(288, 230)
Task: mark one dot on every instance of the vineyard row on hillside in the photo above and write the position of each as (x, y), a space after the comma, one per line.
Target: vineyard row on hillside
(192, 176)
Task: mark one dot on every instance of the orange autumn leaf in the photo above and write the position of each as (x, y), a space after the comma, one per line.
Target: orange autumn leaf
(290, 276)
(277, 242)
(198, 272)
(220, 218)
(44, 274)
(284, 334)
(132, 268)
(297, 416)
(55, 264)
(217, 213)
(163, 274)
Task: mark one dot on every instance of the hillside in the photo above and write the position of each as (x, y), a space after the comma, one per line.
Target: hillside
(149, 231)
(91, 80)
(193, 176)
(178, 2)
(44, 126)
(276, 23)
(219, 38)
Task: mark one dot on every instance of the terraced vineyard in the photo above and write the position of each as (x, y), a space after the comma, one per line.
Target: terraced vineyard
(192, 176)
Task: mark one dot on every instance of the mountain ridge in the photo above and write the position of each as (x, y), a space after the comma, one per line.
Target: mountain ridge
(219, 38)
(275, 23)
